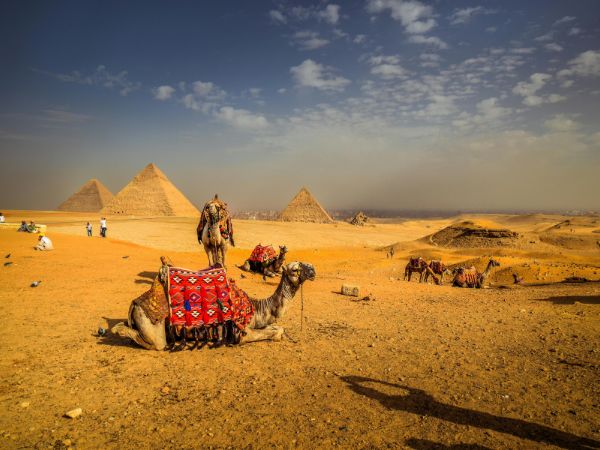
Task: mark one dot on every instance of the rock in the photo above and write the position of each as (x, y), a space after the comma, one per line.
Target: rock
(24, 404)
(74, 413)
(350, 290)
(165, 390)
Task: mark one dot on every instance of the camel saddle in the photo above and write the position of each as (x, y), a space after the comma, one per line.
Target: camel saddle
(263, 254)
(415, 263)
(205, 298)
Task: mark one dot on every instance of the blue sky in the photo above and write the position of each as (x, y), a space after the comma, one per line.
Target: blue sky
(375, 103)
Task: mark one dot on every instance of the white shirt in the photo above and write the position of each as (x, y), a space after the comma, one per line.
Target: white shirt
(1, 219)
(89, 227)
(103, 223)
(45, 243)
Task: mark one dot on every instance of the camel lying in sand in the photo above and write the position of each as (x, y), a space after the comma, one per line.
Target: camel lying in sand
(269, 268)
(471, 278)
(151, 334)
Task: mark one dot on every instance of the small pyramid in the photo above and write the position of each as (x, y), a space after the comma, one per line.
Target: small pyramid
(150, 193)
(360, 219)
(91, 197)
(305, 208)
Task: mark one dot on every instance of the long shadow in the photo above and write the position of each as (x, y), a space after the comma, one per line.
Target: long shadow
(148, 274)
(143, 282)
(571, 299)
(424, 444)
(419, 402)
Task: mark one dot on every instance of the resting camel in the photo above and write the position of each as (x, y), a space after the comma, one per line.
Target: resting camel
(270, 269)
(434, 269)
(152, 335)
(215, 231)
(471, 278)
(418, 265)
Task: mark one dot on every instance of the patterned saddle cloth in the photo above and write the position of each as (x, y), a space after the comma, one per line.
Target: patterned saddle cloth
(206, 298)
(263, 254)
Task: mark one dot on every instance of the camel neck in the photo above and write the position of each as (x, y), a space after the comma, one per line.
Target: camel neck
(268, 310)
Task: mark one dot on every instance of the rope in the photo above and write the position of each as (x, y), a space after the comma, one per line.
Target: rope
(301, 306)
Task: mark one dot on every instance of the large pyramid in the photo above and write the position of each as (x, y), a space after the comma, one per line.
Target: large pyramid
(91, 197)
(150, 193)
(305, 208)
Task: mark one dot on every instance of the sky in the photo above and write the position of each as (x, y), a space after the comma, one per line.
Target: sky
(377, 104)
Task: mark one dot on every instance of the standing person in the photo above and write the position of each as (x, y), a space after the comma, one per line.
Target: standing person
(2, 219)
(103, 227)
(88, 227)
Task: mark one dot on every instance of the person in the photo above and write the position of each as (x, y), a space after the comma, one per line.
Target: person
(88, 227)
(2, 219)
(23, 226)
(44, 243)
(31, 227)
(103, 227)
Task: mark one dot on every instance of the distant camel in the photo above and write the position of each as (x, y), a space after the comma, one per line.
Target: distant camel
(436, 268)
(215, 231)
(418, 265)
(471, 278)
(267, 268)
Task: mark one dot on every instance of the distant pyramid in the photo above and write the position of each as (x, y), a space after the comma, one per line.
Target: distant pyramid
(91, 197)
(150, 193)
(305, 208)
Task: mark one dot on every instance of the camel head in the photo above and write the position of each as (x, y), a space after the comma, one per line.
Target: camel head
(494, 263)
(214, 213)
(299, 272)
(283, 250)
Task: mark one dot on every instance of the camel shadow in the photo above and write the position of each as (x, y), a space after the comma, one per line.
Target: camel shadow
(143, 282)
(571, 299)
(148, 274)
(417, 401)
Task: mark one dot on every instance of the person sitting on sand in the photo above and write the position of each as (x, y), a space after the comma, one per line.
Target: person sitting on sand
(2, 219)
(88, 227)
(44, 243)
(31, 227)
(23, 226)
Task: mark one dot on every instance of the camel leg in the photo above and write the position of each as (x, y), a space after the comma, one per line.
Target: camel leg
(209, 255)
(142, 331)
(223, 251)
(125, 332)
(269, 333)
(245, 267)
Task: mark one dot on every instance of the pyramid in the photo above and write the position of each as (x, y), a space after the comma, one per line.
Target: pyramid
(91, 197)
(150, 193)
(305, 208)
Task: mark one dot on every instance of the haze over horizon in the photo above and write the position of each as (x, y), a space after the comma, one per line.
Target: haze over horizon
(374, 104)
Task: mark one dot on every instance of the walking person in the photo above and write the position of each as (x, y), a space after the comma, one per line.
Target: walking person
(88, 227)
(103, 227)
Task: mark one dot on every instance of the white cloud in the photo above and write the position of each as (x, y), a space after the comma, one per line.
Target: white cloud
(554, 47)
(561, 123)
(545, 37)
(464, 15)
(565, 19)
(387, 67)
(587, 64)
(309, 40)
(428, 40)
(164, 92)
(277, 16)
(208, 90)
(241, 118)
(100, 77)
(281, 90)
(574, 31)
(359, 39)
(522, 50)
(415, 16)
(312, 74)
(528, 89)
(491, 29)
(331, 14)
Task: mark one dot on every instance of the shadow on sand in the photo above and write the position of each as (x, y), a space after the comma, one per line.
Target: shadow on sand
(419, 402)
(112, 339)
(424, 444)
(147, 274)
(571, 299)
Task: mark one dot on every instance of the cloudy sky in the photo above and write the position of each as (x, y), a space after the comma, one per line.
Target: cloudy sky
(371, 104)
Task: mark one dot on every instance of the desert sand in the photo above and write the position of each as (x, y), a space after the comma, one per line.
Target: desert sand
(416, 366)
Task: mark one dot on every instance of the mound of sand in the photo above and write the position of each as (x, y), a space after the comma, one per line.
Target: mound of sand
(305, 208)
(150, 193)
(360, 219)
(468, 234)
(575, 222)
(91, 197)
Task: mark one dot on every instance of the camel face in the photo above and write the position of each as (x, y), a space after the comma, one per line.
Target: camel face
(299, 272)
(494, 263)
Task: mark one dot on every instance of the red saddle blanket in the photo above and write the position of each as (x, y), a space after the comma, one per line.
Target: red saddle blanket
(206, 297)
(263, 254)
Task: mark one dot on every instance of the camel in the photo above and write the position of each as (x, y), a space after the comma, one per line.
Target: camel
(215, 231)
(434, 269)
(148, 313)
(418, 265)
(268, 269)
(471, 277)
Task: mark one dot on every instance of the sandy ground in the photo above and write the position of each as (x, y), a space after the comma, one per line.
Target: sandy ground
(420, 366)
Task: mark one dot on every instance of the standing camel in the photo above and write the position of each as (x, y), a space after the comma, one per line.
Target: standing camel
(436, 268)
(418, 265)
(215, 231)
(471, 277)
(148, 313)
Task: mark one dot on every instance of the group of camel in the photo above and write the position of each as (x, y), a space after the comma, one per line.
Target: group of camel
(148, 318)
(462, 276)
